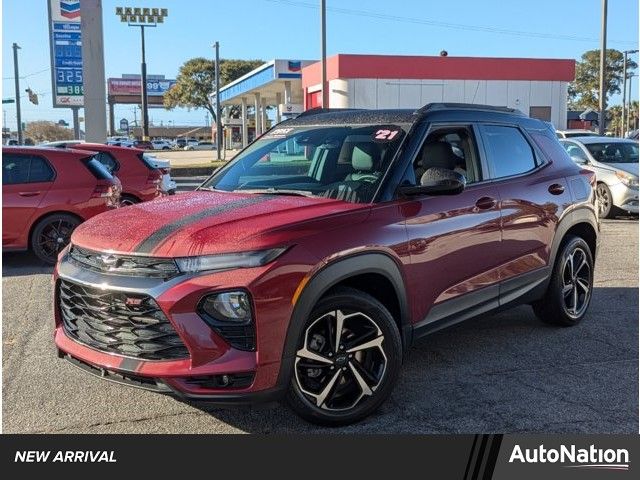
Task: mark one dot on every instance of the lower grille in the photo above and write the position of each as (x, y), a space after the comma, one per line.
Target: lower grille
(126, 324)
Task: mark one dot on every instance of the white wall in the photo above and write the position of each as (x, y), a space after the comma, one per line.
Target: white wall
(404, 93)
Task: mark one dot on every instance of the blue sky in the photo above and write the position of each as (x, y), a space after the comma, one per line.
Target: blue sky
(267, 29)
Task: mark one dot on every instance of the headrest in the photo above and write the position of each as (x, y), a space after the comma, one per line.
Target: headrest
(365, 156)
(439, 154)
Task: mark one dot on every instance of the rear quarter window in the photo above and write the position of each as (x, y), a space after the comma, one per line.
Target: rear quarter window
(550, 146)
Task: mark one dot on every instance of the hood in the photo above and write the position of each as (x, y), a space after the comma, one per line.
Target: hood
(205, 223)
(627, 167)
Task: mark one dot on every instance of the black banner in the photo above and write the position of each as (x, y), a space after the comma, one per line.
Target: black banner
(466, 457)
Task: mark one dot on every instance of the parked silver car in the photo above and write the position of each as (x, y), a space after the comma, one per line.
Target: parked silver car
(615, 162)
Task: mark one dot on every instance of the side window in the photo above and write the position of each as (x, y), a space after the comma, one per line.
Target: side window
(508, 151)
(40, 171)
(574, 150)
(108, 161)
(15, 169)
(451, 147)
(18, 169)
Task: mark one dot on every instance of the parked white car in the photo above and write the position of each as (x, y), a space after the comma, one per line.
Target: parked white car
(200, 146)
(161, 144)
(168, 185)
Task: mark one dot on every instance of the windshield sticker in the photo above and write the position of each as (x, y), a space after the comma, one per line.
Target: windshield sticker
(386, 134)
(279, 133)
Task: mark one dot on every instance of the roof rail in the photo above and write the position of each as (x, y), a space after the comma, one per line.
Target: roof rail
(318, 110)
(429, 107)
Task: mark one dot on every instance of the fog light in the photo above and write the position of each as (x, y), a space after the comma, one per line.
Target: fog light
(228, 307)
(229, 314)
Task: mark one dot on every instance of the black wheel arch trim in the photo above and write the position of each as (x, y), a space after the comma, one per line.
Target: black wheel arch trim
(330, 275)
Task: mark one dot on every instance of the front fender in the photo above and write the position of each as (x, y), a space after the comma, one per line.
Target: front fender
(329, 276)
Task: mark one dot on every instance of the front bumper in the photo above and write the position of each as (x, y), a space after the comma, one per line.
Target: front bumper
(210, 356)
(624, 197)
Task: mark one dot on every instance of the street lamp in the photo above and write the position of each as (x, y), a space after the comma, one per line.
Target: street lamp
(143, 17)
(624, 87)
(16, 47)
(630, 104)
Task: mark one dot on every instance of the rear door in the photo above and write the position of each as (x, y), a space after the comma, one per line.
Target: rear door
(532, 198)
(26, 179)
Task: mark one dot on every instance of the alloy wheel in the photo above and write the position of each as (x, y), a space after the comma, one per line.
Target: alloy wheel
(604, 200)
(55, 236)
(342, 360)
(576, 283)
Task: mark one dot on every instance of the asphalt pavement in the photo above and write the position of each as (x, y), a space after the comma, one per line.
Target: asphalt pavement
(505, 372)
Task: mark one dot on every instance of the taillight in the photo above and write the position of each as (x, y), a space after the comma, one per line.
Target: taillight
(109, 191)
(155, 177)
(590, 175)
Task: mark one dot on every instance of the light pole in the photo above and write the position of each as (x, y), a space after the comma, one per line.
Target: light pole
(323, 52)
(17, 81)
(216, 46)
(630, 103)
(143, 17)
(624, 88)
(603, 59)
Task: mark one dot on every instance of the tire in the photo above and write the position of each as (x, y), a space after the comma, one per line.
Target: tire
(126, 200)
(51, 234)
(606, 209)
(345, 387)
(567, 285)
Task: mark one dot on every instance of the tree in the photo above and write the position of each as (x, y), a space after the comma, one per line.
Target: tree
(196, 81)
(614, 119)
(43, 131)
(584, 92)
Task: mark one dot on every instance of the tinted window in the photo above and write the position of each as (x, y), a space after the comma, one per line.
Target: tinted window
(107, 160)
(15, 169)
(25, 169)
(508, 152)
(614, 152)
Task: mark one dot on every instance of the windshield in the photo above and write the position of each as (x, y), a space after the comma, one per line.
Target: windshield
(614, 152)
(344, 162)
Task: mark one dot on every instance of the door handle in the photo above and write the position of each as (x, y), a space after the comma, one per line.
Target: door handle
(485, 203)
(556, 189)
(28, 194)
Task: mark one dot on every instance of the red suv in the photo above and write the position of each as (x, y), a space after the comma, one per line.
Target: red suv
(308, 265)
(140, 179)
(46, 193)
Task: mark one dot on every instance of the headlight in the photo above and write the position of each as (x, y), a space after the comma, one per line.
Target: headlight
(228, 260)
(626, 178)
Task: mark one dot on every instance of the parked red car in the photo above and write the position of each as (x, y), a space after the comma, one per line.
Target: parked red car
(305, 267)
(47, 193)
(143, 144)
(140, 179)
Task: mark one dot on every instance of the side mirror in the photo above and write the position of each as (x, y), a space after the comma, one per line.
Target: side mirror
(580, 160)
(436, 181)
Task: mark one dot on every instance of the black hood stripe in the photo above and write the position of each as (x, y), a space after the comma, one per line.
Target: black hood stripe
(156, 238)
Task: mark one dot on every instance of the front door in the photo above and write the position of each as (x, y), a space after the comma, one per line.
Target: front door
(454, 240)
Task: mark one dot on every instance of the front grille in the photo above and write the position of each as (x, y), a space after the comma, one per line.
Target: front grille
(126, 324)
(129, 265)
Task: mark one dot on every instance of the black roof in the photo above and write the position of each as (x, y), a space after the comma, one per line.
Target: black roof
(340, 116)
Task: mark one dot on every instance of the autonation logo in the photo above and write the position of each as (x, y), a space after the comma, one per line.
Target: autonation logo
(574, 457)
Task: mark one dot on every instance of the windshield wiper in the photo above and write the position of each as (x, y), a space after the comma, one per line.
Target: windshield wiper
(277, 191)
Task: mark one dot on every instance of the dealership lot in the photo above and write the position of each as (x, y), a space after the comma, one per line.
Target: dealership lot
(505, 372)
